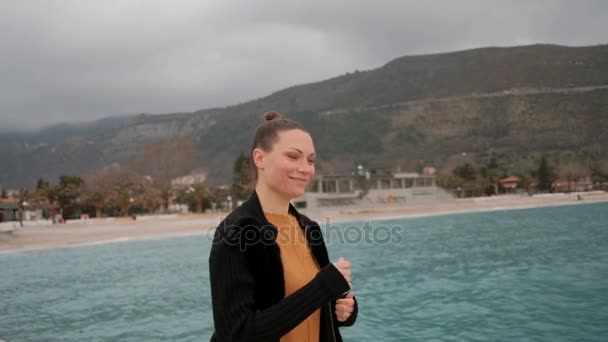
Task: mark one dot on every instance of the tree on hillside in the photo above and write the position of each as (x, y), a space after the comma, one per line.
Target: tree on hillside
(572, 172)
(150, 199)
(165, 159)
(466, 171)
(526, 181)
(241, 177)
(23, 196)
(199, 193)
(196, 196)
(465, 180)
(47, 195)
(124, 199)
(98, 191)
(120, 187)
(166, 193)
(493, 174)
(544, 174)
(492, 164)
(69, 191)
(449, 181)
(97, 198)
(599, 172)
(41, 183)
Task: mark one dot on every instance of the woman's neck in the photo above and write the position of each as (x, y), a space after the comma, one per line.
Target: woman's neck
(271, 201)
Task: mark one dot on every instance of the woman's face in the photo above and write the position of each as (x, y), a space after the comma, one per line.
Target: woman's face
(289, 166)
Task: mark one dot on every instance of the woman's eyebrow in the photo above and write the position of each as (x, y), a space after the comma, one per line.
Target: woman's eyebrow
(312, 154)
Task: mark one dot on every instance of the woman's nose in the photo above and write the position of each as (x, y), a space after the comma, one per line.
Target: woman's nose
(305, 167)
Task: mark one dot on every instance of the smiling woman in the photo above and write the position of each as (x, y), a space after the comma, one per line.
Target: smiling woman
(284, 158)
(271, 279)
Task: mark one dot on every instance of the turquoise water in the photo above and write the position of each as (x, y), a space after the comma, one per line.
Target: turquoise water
(521, 275)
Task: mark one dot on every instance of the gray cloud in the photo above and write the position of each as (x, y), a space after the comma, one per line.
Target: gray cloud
(77, 60)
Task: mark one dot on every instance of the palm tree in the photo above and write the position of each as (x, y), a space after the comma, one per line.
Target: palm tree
(97, 198)
(151, 199)
(165, 193)
(47, 193)
(199, 192)
(22, 197)
(124, 199)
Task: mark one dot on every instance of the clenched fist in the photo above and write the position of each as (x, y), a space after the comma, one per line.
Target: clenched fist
(345, 307)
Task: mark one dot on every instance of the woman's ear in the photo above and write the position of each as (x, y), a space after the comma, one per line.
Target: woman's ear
(258, 158)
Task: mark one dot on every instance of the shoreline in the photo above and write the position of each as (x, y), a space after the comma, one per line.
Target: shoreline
(117, 230)
(464, 206)
(103, 231)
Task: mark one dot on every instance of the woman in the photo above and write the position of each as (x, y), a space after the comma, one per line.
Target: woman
(271, 279)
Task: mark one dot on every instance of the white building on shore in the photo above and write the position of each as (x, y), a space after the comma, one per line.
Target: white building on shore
(381, 190)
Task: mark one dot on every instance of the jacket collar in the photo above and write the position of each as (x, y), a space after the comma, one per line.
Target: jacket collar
(253, 209)
(253, 206)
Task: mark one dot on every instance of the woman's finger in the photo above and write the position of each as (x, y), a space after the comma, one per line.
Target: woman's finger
(346, 301)
(344, 308)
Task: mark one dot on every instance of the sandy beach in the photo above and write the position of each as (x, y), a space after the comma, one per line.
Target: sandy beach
(96, 231)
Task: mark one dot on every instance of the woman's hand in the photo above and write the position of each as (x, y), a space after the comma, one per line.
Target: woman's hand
(343, 266)
(345, 307)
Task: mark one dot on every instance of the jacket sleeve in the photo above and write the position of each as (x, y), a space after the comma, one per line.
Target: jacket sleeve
(350, 320)
(235, 315)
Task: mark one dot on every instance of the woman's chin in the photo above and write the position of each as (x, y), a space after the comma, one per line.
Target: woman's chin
(296, 192)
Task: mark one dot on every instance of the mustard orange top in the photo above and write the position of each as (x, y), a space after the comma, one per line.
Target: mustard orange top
(299, 268)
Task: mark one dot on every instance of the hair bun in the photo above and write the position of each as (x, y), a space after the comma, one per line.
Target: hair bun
(269, 116)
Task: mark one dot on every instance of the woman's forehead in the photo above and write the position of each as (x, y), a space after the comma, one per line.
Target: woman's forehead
(297, 140)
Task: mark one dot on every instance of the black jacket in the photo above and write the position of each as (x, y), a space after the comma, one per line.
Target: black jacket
(247, 284)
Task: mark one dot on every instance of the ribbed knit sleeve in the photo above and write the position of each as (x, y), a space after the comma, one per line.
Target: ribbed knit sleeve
(235, 315)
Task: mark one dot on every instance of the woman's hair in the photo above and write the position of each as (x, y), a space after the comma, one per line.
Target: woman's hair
(267, 134)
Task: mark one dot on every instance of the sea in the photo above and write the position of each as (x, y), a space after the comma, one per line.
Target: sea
(513, 275)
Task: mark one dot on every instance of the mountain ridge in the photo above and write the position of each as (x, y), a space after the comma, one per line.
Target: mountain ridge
(382, 109)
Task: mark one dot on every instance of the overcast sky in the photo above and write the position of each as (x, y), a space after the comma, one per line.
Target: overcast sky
(81, 60)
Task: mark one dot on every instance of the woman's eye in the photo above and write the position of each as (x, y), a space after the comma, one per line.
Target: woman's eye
(292, 157)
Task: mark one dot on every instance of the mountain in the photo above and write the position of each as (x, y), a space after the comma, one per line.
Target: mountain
(515, 103)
